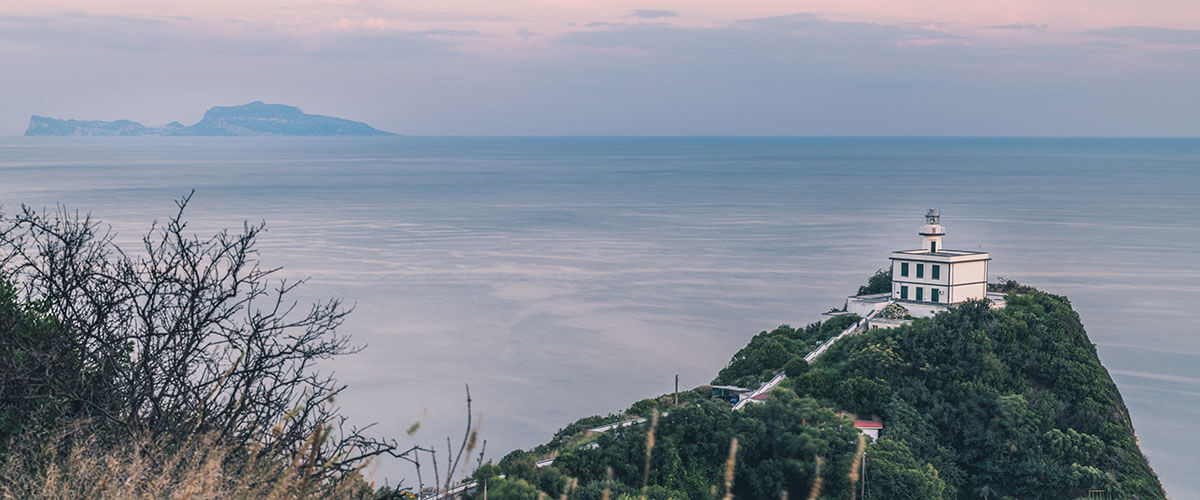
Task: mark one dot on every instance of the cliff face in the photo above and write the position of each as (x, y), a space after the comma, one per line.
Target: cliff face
(259, 118)
(256, 118)
(41, 125)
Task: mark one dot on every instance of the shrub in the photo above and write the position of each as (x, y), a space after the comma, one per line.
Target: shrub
(186, 339)
(879, 282)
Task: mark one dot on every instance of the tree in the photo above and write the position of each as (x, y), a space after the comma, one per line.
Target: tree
(511, 489)
(895, 473)
(31, 346)
(187, 336)
(796, 366)
(880, 282)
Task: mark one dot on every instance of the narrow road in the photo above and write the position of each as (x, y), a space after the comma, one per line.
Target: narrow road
(857, 327)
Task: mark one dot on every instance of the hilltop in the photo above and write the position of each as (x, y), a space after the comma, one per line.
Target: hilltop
(253, 119)
(975, 402)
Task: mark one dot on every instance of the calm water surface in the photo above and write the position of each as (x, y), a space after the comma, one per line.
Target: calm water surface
(565, 277)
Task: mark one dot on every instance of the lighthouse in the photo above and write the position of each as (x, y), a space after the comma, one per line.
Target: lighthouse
(932, 232)
(931, 278)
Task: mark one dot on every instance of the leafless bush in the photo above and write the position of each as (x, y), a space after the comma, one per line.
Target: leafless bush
(189, 336)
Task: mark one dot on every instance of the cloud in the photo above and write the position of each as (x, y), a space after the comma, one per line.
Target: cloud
(1017, 26)
(787, 36)
(1151, 34)
(181, 36)
(349, 24)
(808, 25)
(453, 33)
(526, 34)
(653, 13)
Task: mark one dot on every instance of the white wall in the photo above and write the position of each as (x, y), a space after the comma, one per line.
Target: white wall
(863, 307)
(923, 310)
(969, 272)
(943, 277)
(959, 281)
(960, 293)
(926, 294)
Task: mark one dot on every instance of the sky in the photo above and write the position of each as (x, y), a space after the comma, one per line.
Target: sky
(576, 67)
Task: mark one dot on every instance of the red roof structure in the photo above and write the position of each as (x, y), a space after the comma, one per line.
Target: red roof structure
(868, 424)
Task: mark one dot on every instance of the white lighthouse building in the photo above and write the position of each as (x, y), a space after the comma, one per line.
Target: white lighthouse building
(930, 278)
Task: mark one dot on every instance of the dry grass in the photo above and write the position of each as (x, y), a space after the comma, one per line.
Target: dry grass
(816, 487)
(649, 449)
(854, 466)
(199, 469)
(730, 465)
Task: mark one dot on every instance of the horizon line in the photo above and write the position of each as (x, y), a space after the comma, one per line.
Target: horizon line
(634, 136)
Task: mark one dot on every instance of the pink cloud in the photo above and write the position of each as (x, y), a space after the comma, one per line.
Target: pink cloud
(349, 24)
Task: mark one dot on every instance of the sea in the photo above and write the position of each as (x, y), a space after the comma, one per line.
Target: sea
(565, 277)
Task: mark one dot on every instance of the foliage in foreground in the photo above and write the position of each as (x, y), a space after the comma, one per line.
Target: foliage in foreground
(185, 341)
(780, 447)
(203, 467)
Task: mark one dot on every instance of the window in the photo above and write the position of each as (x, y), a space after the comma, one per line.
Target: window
(903, 269)
(935, 272)
(933, 247)
(920, 294)
(920, 270)
(933, 294)
(903, 292)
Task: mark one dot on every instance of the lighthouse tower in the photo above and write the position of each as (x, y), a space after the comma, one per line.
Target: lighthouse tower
(932, 232)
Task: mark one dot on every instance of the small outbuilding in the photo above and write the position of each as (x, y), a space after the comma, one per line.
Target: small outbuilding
(869, 427)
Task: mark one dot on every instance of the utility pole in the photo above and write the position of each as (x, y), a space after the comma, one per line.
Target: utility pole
(676, 389)
(864, 476)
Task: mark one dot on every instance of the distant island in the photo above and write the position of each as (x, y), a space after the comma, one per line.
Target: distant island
(255, 119)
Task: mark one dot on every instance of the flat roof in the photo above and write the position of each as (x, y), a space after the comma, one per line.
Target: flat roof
(872, 298)
(945, 256)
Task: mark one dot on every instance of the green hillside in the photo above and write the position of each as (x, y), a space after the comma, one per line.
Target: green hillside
(975, 402)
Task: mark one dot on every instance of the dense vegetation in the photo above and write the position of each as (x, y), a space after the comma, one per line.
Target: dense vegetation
(779, 447)
(976, 403)
(768, 352)
(1002, 403)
